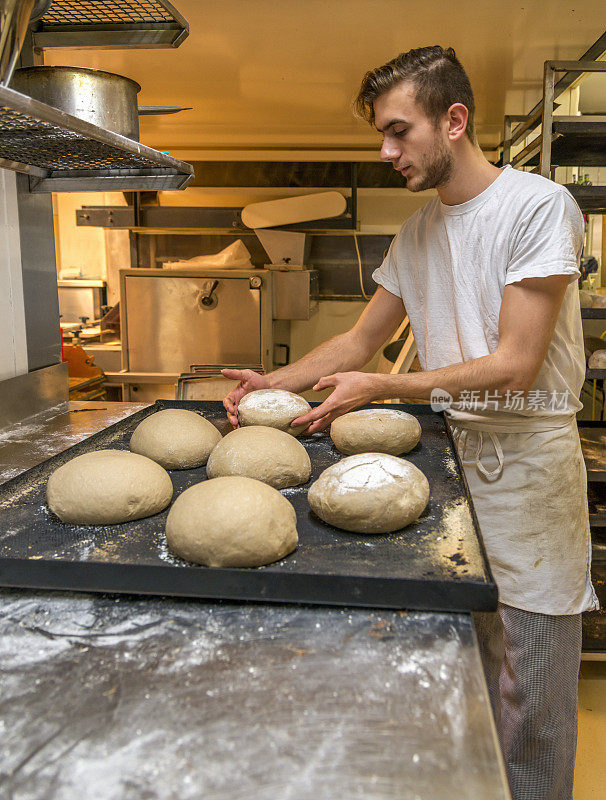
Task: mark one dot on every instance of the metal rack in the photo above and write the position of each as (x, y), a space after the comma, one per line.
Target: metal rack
(60, 152)
(572, 141)
(593, 313)
(111, 23)
(595, 374)
(591, 199)
(563, 141)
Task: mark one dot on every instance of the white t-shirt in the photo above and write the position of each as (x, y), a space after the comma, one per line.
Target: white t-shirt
(450, 266)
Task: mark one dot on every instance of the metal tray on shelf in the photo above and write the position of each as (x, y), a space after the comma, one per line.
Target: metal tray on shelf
(437, 563)
(593, 444)
(591, 200)
(594, 313)
(595, 374)
(577, 141)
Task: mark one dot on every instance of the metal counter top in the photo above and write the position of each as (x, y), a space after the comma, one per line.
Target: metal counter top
(25, 444)
(123, 698)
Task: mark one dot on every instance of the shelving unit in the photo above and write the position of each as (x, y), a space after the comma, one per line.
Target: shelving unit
(591, 199)
(62, 153)
(597, 513)
(593, 442)
(563, 141)
(594, 313)
(595, 374)
(574, 141)
(111, 23)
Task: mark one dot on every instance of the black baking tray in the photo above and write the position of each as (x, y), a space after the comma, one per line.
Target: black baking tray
(437, 563)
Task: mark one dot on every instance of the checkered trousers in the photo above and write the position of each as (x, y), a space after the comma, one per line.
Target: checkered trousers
(531, 664)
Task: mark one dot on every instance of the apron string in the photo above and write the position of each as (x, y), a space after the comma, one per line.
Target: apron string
(493, 474)
(460, 436)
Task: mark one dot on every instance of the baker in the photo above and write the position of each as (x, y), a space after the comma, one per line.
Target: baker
(487, 273)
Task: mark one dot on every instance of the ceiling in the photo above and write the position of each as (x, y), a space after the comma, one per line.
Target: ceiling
(265, 75)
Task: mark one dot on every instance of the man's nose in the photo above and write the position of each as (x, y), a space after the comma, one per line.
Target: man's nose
(389, 152)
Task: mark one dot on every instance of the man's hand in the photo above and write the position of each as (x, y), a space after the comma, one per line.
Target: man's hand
(352, 390)
(249, 381)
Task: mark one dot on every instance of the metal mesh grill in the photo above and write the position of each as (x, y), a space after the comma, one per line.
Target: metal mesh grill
(31, 141)
(104, 12)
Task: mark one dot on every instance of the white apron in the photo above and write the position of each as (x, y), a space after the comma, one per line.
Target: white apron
(528, 483)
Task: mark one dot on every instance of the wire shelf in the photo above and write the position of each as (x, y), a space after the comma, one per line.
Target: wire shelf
(63, 153)
(31, 141)
(111, 23)
(105, 12)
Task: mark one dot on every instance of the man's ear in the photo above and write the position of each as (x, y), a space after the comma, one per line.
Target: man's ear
(457, 121)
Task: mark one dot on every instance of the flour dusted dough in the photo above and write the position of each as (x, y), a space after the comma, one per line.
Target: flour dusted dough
(232, 522)
(370, 493)
(378, 430)
(175, 438)
(108, 486)
(267, 454)
(274, 408)
(597, 360)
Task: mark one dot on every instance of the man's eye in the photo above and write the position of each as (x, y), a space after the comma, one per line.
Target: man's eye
(400, 133)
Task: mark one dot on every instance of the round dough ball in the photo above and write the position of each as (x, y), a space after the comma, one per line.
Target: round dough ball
(370, 493)
(232, 522)
(274, 408)
(597, 360)
(108, 486)
(267, 454)
(378, 430)
(175, 438)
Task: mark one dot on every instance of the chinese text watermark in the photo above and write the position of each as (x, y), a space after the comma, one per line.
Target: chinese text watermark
(475, 400)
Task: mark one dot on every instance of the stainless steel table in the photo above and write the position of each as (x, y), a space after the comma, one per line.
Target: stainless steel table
(120, 698)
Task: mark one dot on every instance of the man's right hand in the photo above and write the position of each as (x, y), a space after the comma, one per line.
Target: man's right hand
(248, 382)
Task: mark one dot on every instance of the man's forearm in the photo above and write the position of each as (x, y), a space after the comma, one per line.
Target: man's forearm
(340, 354)
(494, 373)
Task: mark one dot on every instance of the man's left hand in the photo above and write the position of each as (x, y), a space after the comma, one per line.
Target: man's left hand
(351, 390)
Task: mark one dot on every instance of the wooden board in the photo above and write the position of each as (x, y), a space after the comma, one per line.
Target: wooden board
(291, 210)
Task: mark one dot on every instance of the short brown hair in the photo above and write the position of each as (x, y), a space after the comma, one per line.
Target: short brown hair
(438, 78)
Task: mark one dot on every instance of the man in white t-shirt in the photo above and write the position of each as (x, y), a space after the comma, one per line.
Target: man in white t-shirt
(486, 272)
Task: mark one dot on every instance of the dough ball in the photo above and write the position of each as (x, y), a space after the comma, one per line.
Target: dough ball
(108, 486)
(370, 493)
(175, 438)
(267, 454)
(274, 408)
(378, 430)
(232, 522)
(599, 301)
(597, 360)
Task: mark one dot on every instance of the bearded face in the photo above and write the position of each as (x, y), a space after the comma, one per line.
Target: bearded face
(415, 145)
(435, 167)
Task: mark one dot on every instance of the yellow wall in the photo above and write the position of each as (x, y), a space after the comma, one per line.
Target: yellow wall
(93, 250)
(379, 210)
(333, 317)
(81, 247)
